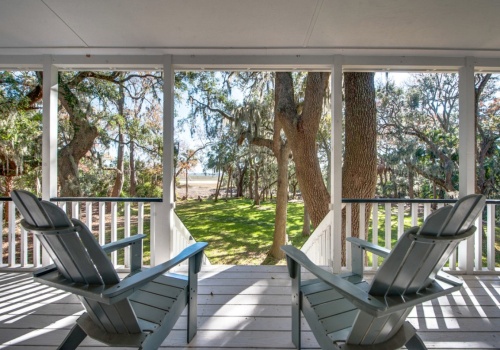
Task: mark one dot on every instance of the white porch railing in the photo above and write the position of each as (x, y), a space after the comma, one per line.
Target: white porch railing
(109, 218)
(112, 219)
(318, 246)
(391, 217)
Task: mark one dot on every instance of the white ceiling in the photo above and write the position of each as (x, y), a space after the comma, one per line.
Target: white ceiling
(375, 27)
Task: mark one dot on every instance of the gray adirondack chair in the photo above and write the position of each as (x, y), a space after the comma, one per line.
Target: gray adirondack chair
(138, 311)
(346, 312)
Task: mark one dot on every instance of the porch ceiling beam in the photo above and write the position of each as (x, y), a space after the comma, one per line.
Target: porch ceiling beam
(403, 63)
(487, 65)
(250, 62)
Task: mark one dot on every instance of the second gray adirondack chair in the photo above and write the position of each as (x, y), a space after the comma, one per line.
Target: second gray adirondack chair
(137, 311)
(346, 312)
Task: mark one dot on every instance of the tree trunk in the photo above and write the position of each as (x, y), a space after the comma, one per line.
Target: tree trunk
(279, 237)
(229, 176)
(186, 170)
(306, 227)
(70, 155)
(9, 186)
(241, 180)
(133, 179)
(219, 184)
(411, 183)
(118, 186)
(256, 195)
(301, 130)
(359, 172)
(250, 181)
(394, 185)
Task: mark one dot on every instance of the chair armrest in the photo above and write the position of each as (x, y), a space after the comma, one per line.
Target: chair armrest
(447, 278)
(135, 243)
(375, 305)
(355, 295)
(49, 276)
(132, 283)
(370, 247)
(122, 243)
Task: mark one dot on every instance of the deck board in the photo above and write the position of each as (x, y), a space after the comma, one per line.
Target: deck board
(245, 307)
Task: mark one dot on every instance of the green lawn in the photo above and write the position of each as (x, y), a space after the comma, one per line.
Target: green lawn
(237, 231)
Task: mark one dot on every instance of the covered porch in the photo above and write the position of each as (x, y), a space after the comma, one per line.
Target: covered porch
(246, 307)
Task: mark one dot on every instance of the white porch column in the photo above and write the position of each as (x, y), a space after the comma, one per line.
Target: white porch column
(49, 136)
(49, 133)
(161, 246)
(467, 154)
(336, 162)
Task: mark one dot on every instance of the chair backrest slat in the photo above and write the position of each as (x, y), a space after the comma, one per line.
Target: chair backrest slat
(87, 273)
(99, 258)
(462, 216)
(55, 258)
(413, 263)
(31, 209)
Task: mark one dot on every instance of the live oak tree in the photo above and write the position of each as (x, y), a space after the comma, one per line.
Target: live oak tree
(85, 116)
(419, 131)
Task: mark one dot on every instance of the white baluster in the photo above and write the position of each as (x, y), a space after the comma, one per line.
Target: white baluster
(12, 234)
(375, 233)
(388, 226)
(479, 243)
(401, 219)
(490, 237)
(88, 215)
(24, 247)
(140, 218)
(414, 214)
(152, 227)
(127, 232)
(114, 225)
(427, 210)
(102, 223)
(75, 210)
(348, 233)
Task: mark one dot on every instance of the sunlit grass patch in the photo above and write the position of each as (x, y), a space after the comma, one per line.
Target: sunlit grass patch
(238, 232)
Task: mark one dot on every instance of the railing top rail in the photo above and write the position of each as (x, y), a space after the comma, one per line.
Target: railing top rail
(344, 200)
(105, 199)
(95, 199)
(407, 200)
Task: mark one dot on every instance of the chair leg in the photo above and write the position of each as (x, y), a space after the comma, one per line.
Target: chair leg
(296, 329)
(73, 339)
(192, 306)
(296, 302)
(415, 343)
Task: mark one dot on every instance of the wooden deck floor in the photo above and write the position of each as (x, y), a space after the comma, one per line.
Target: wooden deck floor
(245, 307)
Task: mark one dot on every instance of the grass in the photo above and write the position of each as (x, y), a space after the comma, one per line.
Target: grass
(237, 231)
